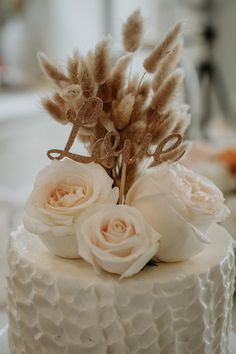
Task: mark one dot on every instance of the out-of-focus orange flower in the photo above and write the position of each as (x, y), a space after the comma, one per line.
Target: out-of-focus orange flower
(229, 157)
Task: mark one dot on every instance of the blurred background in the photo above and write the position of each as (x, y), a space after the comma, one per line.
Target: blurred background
(57, 27)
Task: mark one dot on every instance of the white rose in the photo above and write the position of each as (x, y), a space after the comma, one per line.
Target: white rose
(63, 192)
(117, 239)
(180, 205)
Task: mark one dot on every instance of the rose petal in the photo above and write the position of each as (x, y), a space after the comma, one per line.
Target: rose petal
(201, 237)
(62, 193)
(38, 228)
(178, 239)
(127, 255)
(179, 204)
(113, 196)
(141, 262)
(112, 263)
(60, 240)
(144, 186)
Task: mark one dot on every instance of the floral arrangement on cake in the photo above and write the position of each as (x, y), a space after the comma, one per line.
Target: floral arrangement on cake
(128, 201)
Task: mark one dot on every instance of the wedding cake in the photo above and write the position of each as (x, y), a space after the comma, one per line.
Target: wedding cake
(119, 251)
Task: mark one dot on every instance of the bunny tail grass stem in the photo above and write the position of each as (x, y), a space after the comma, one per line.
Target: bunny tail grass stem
(140, 82)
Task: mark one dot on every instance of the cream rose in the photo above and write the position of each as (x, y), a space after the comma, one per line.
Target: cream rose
(117, 239)
(63, 192)
(180, 205)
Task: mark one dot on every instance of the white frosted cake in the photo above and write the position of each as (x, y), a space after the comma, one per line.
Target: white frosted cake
(59, 306)
(120, 252)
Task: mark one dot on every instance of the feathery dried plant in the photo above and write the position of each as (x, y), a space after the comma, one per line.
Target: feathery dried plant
(102, 61)
(152, 61)
(130, 107)
(133, 32)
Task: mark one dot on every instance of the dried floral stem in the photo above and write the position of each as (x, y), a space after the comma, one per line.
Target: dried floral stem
(140, 82)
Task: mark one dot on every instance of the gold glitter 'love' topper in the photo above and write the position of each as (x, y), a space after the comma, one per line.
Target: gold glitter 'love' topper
(104, 149)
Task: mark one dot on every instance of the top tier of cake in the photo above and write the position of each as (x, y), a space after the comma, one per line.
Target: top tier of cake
(62, 306)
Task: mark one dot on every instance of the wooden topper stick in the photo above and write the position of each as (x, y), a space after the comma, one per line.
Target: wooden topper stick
(122, 183)
(125, 161)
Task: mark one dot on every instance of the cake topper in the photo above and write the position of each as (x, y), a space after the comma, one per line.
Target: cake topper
(124, 121)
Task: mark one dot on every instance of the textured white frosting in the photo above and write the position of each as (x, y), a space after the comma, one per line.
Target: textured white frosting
(230, 221)
(59, 306)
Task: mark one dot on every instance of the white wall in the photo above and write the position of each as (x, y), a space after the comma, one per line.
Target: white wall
(57, 27)
(75, 24)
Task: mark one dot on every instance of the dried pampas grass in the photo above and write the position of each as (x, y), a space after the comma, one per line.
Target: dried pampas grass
(118, 78)
(122, 111)
(152, 61)
(133, 85)
(102, 61)
(144, 89)
(72, 96)
(135, 131)
(54, 110)
(72, 93)
(73, 64)
(51, 71)
(167, 65)
(140, 101)
(107, 122)
(133, 32)
(183, 120)
(57, 98)
(132, 106)
(90, 59)
(163, 98)
(109, 90)
(85, 79)
(165, 125)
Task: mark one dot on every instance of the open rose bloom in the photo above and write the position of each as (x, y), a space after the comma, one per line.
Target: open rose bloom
(64, 192)
(180, 205)
(118, 240)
